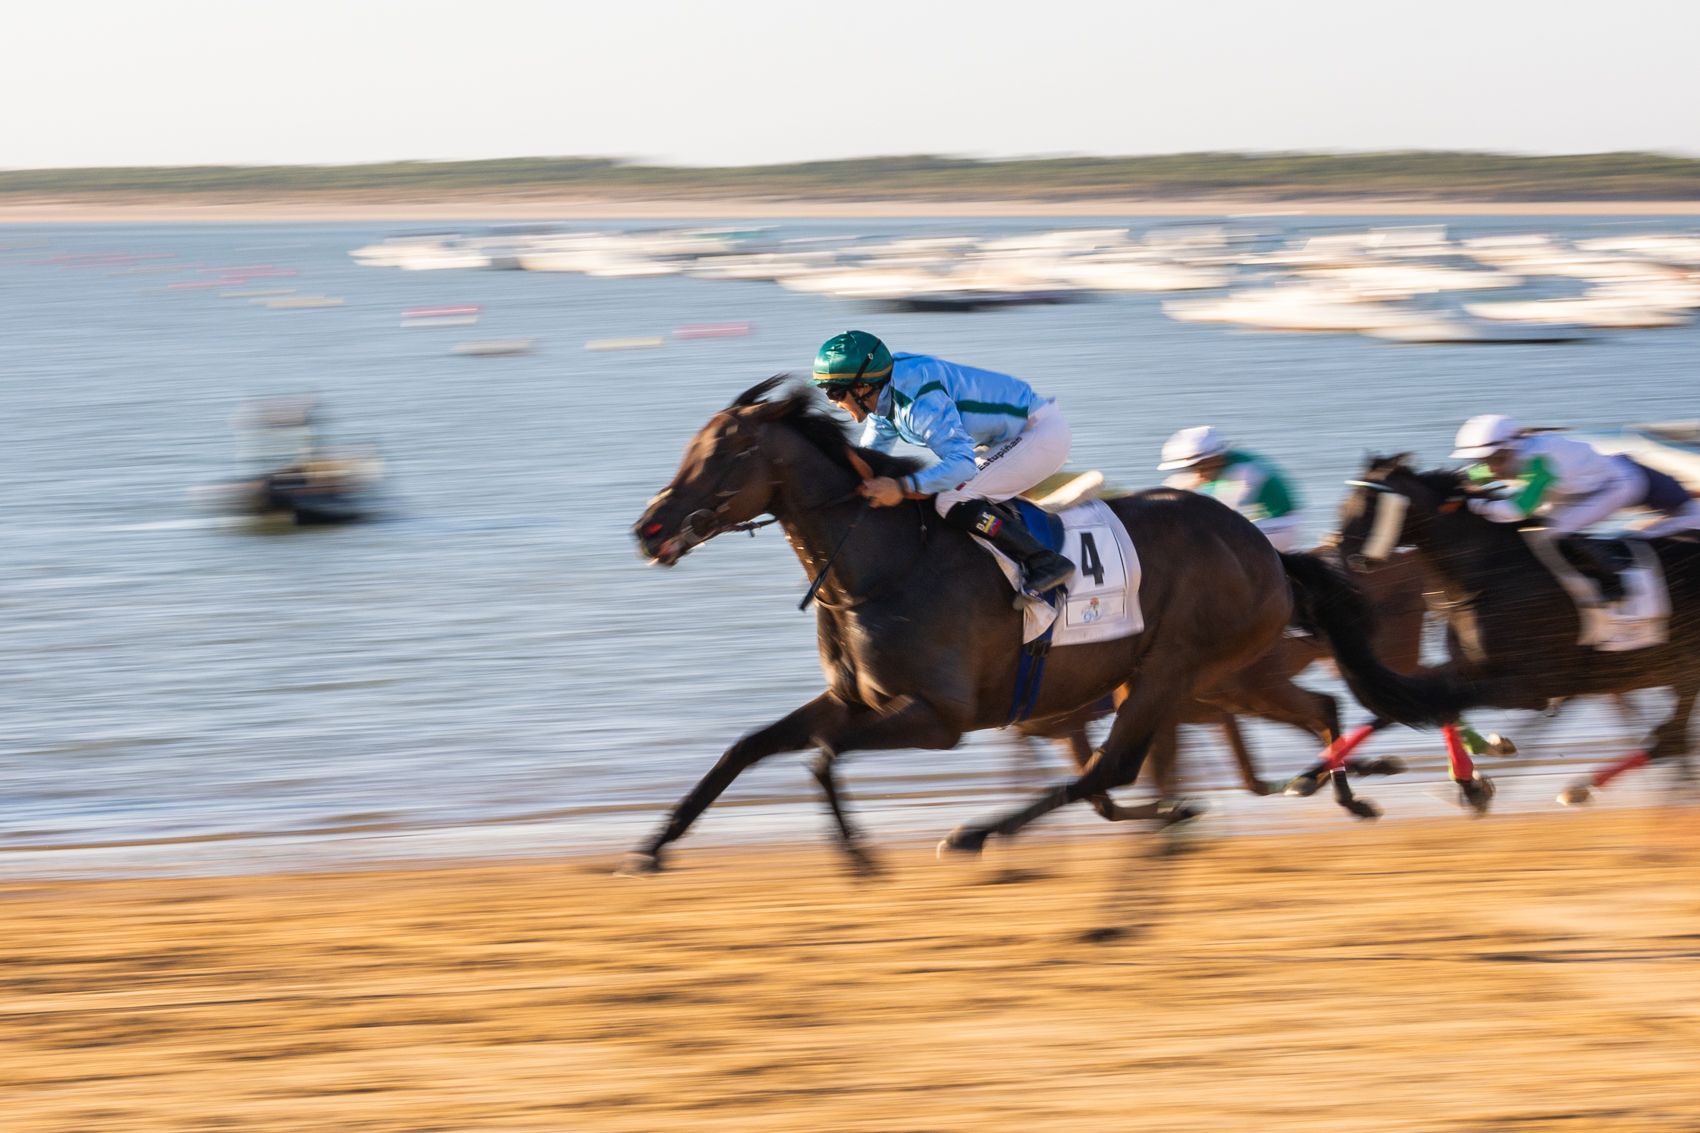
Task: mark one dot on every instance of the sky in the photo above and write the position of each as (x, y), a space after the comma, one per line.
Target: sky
(736, 82)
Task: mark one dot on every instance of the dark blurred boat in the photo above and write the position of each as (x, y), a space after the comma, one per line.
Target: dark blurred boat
(297, 477)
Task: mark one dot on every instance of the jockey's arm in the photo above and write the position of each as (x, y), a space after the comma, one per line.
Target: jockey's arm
(933, 418)
(1521, 504)
(1237, 487)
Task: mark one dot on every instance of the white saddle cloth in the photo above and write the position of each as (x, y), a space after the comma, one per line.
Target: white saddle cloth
(1103, 597)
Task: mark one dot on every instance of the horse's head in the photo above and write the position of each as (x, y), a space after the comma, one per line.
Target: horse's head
(725, 478)
(1391, 505)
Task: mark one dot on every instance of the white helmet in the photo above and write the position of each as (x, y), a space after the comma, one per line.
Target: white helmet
(1484, 436)
(1189, 446)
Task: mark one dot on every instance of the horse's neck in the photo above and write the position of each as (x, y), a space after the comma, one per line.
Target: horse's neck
(877, 543)
(1469, 554)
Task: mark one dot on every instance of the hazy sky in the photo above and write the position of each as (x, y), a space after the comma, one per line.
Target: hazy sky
(133, 82)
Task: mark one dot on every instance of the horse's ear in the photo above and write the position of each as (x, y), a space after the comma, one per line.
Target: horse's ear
(759, 391)
(1400, 459)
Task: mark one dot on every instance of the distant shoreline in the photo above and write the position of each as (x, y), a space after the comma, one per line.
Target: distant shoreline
(192, 210)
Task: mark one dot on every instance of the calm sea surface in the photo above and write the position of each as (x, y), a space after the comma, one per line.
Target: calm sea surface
(494, 670)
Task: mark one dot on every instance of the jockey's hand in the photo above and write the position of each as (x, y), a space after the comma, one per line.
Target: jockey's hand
(882, 491)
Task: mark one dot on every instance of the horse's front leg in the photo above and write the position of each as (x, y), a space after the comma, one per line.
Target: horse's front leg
(792, 733)
(914, 724)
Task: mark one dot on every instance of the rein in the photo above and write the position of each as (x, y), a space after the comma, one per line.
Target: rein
(866, 473)
(820, 579)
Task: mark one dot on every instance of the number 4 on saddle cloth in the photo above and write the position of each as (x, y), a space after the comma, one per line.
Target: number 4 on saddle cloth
(1101, 603)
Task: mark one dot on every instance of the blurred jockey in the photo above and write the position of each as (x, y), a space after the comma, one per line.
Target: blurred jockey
(1572, 486)
(1250, 484)
(993, 436)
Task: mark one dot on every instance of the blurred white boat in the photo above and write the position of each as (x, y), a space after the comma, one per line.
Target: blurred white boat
(1118, 273)
(495, 346)
(1447, 330)
(393, 250)
(1603, 312)
(1404, 280)
(304, 302)
(1291, 307)
(1671, 248)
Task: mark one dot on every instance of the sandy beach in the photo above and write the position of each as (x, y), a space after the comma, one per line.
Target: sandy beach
(218, 210)
(1511, 975)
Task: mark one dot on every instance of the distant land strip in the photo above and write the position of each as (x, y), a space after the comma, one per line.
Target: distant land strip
(1417, 175)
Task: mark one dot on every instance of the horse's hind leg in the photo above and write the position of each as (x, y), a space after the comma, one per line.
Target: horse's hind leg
(1117, 763)
(1669, 738)
(792, 733)
(1243, 758)
(1080, 751)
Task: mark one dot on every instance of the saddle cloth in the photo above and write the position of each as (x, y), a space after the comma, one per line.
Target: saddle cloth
(1642, 617)
(1101, 603)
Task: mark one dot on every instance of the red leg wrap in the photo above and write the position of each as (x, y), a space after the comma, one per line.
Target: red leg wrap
(1611, 771)
(1335, 754)
(1456, 757)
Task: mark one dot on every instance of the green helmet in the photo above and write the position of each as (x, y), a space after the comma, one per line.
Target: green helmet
(852, 357)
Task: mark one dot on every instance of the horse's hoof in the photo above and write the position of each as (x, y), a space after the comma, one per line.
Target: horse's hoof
(963, 840)
(1302, 786)
(1476, 794)
(863, 865)
(1499, 745)
(1361, 808)
(638, 864)
(1177, 811)
(1579, 793)
(1381, 765)
(1266, 787)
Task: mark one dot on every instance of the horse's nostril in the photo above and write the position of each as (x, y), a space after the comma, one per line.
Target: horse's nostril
(651, 529)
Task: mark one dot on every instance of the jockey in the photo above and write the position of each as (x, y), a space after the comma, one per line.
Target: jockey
(1570, 484)
(1250, 484)
(993, 438)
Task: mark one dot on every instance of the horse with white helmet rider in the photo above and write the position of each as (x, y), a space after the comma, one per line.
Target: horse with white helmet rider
(1252, 485)
(993, 438)
(1571, 485)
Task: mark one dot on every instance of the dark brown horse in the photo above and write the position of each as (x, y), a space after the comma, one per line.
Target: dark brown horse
(918, 637)
(1512, 627)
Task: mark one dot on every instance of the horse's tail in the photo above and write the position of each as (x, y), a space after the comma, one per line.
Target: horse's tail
(1334, 605)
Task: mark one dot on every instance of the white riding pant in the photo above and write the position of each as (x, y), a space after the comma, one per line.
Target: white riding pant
(1019, 463)
(1282, 531)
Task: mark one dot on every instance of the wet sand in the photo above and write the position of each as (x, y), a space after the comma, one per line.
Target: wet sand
(1501, 976)
(184, 210)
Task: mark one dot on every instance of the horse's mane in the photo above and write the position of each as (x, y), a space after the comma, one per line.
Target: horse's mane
(1443, 482)
(800, 407)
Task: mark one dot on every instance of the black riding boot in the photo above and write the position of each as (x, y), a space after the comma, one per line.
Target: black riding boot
(1589, 557)
(1001, 526)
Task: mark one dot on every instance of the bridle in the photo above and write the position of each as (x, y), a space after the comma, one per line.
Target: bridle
(704, 523)
(1387, 524)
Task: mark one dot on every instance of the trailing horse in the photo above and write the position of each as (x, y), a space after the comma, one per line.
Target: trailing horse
(1266, 689)
(918, 637)
(1512, 626)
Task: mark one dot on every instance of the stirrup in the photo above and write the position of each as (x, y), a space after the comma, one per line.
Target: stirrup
(1058, 577)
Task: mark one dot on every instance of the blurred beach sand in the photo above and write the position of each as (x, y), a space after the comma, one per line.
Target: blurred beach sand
(164, 209)
(1515, 974)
